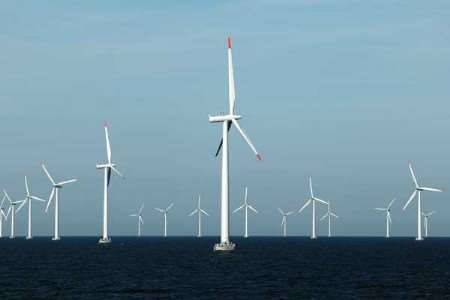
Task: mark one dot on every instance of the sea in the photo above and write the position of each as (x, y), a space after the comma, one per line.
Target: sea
(259, 268)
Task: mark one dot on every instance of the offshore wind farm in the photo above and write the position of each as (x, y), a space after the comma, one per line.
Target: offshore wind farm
(265, 150)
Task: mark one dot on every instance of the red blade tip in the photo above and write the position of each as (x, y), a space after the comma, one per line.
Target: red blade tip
(258, 157)
(229, 42)
(105, 124)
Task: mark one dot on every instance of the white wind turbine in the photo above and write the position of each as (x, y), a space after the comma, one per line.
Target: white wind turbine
(418, 189)
(199, 211)
(164, 212)
(12, 208)
(312, 200)
(3, 215)
(284, 221)
(425, 221)
(328, 215)
(107, 167)
(29, 198)
(228, 119)
(246, 207)
(55, 194)
(139, 217)
(388, 217)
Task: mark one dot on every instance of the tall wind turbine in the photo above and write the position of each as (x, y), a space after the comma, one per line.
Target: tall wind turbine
(55, 194)
(12, 208)
(328, 215)
(164, 212)
(388, 216)
(107, 168)
(199, 211)
(228, 119)
(3, 215)
(284, 221)
(426, 216)
(246, 207)
(29, 198)
(312, 200)
(418, 189)
(139, 218)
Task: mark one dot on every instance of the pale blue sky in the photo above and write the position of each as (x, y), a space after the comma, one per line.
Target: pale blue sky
(345, 91)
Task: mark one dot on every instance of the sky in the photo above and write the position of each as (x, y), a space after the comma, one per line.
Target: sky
(347, 92)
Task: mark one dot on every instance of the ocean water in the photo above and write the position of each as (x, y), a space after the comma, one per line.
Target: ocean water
(260, 268)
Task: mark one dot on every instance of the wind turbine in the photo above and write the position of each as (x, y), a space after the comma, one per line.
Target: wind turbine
(107, 168)
(418, 189)
(228, 119)
(164, 212)
(284, 221)
(312, 200)
(388, 217)
(425, 221)
(328, 215)
(55, 194)
(3, 215)
(29, 198)
(140, 219)
(245, 206)
(199, 211)
(12, 208)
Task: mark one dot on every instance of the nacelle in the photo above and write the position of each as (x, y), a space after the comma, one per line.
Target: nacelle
(223, 118)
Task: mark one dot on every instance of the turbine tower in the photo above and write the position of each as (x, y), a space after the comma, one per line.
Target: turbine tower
(55, 194)
(199, 211)
(29, 198)
(12, 208)
(312, 200)
(328, 215)
(164, 212)
(425, 221)
(228, 119)
(3, 215)
(107, 167)
(140, 219)
(388, 217)
(284, 221)
(418, 189)
(245, 206)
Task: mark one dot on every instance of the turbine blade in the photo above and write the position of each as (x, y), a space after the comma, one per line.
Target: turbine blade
(321, 201)
(310, 187)
(304, 206)
(431, 213)
(169, 207)
(289, 213)
(67, 181)
(281, 211)
(390, 203)
(22, 203)
(334, 215)
(26, 186)
(133, 215)
(193, 213)
(413, 175)
(323, 217)
(37, 198)
(159, 209)
(48, 174)
(231, 88)
(410, 199)
(140, 209)
(380, 209)
(283, 221)
(7, 196)
(52, 193)
(141, 220)
(238, 209)
(238, 127)
(108, 145)
(9, 211)
(252, 208)
(204, 212)
(116, 171)
(430, 189)
(389, 217)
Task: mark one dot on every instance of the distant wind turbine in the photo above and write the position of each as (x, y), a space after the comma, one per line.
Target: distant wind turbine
(29, 198)
(227, 120)
(55, 192)
(426, 216)
(164, 212)
(3, 215)
(418, 189)
(139, 218)
(328, 215)
(246, 207)
(388, 217)
(108, 168)
(199, 211)
(284, 221)
(312, 200)
(12, 208)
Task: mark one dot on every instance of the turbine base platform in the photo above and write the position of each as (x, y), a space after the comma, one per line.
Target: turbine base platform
(104, 241)
(55, 238)
(417, 239)
(28, 237)
(224, 247)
